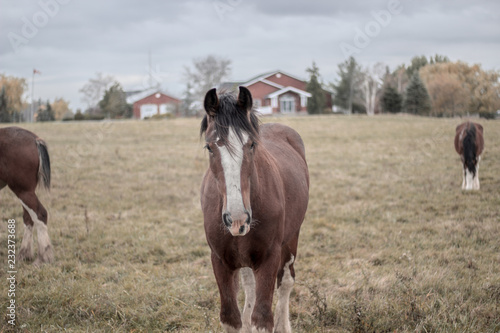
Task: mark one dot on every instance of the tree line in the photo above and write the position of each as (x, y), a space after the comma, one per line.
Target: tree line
(432, 86)
(429, 87)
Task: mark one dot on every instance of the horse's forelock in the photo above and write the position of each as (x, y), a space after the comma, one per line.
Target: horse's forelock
(229, 115)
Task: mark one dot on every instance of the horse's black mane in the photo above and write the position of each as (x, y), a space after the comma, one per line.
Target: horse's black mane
(231, 114)
(469, 146)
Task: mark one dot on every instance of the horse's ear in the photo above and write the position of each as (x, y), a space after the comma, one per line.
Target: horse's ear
(211, 102)
(245, 98)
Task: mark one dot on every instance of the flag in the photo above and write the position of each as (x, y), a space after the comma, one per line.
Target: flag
(36, 71)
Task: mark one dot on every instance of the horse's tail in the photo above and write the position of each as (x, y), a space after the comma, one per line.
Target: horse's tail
(470, 147)
(44, 169)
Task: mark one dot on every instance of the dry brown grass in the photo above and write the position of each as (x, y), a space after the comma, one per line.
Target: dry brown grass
(390, 242)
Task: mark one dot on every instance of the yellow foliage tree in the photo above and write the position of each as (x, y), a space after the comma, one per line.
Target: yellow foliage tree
(14, 90)
(60, 108)
(458, 88)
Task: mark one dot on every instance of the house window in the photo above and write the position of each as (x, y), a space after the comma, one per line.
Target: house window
(257, 103)
(287, 104)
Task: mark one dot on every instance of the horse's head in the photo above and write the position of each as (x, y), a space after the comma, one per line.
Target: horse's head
(231, 134)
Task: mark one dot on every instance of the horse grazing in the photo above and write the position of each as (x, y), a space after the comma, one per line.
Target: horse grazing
(469, 144)
(254, 197)
(24, 162)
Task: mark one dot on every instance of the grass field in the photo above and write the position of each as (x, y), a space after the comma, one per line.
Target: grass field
(390, 242)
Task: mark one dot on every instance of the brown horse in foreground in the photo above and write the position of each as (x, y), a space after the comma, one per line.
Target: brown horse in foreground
(469, 144)
(254, 198)
(24, 162)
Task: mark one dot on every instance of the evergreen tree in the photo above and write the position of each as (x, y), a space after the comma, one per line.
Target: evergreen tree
(46, 113)
(316, 103)
(347, 88)
(187, 101)
(5, 116)
(417, 99)
(391, 100)
(114, 103)
(416, 64)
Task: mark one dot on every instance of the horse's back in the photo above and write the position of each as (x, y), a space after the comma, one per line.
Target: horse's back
(18, 156)
(462, 130)
(282, 136)
(287, 148)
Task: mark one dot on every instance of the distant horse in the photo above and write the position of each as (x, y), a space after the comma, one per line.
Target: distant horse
(469, 144)
(24, 162)
(254, 198)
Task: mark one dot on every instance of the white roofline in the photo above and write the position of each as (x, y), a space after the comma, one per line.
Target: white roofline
(260, 79)
(146, 93)
(289, 88)
(292, 76)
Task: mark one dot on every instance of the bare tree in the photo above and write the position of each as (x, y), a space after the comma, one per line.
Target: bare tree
(372, 84)
(207, 73)
(93, 91)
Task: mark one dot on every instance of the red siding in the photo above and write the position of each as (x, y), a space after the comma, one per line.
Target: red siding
(152, 99)
(287, 81)
(260, 89)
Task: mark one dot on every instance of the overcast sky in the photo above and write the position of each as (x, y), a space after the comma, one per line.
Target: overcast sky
(68, 41)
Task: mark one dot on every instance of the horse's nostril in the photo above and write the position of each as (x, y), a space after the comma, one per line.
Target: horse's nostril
(226, 218)
(249, 218)
(242, 229)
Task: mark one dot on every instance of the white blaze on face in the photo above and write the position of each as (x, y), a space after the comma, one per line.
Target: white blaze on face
(231, 165)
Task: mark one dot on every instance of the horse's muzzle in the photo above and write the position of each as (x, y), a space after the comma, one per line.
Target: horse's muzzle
(237, 226)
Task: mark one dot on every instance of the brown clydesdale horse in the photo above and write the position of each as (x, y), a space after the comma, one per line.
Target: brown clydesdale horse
(469, 144)
(254, 198)
(24, 162)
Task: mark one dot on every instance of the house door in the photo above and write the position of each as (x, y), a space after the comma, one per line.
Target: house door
(287, 104)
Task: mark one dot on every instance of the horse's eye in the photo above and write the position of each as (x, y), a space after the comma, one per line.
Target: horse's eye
(207, 147)
(253, 145)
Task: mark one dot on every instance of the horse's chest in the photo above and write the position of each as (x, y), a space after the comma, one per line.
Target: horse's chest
(241, 252)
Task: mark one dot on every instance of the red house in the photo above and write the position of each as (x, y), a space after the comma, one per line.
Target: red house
(277, 92)
(152, 102)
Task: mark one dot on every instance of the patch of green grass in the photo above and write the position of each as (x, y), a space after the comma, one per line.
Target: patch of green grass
(390, 242)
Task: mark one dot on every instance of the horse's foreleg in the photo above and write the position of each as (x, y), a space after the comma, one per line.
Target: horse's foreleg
(228, 288)
(265, 277)
(248, 282)
(476, 186)
(286, 279)
(469, 179)
(26, 251)
(38, 215)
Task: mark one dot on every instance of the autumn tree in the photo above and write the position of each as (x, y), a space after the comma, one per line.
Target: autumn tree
(316, 103)
(13, 90)
(206, 73)
(458, 88)
(60, 108)
(417, 100)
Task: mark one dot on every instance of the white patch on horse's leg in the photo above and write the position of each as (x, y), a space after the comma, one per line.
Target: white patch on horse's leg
(26, 251)
(248, 282)
(463, 178)
(468, 179)
(260, 330)
(230, 329)
(476, 178)
(281, 313)
(45, 253)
